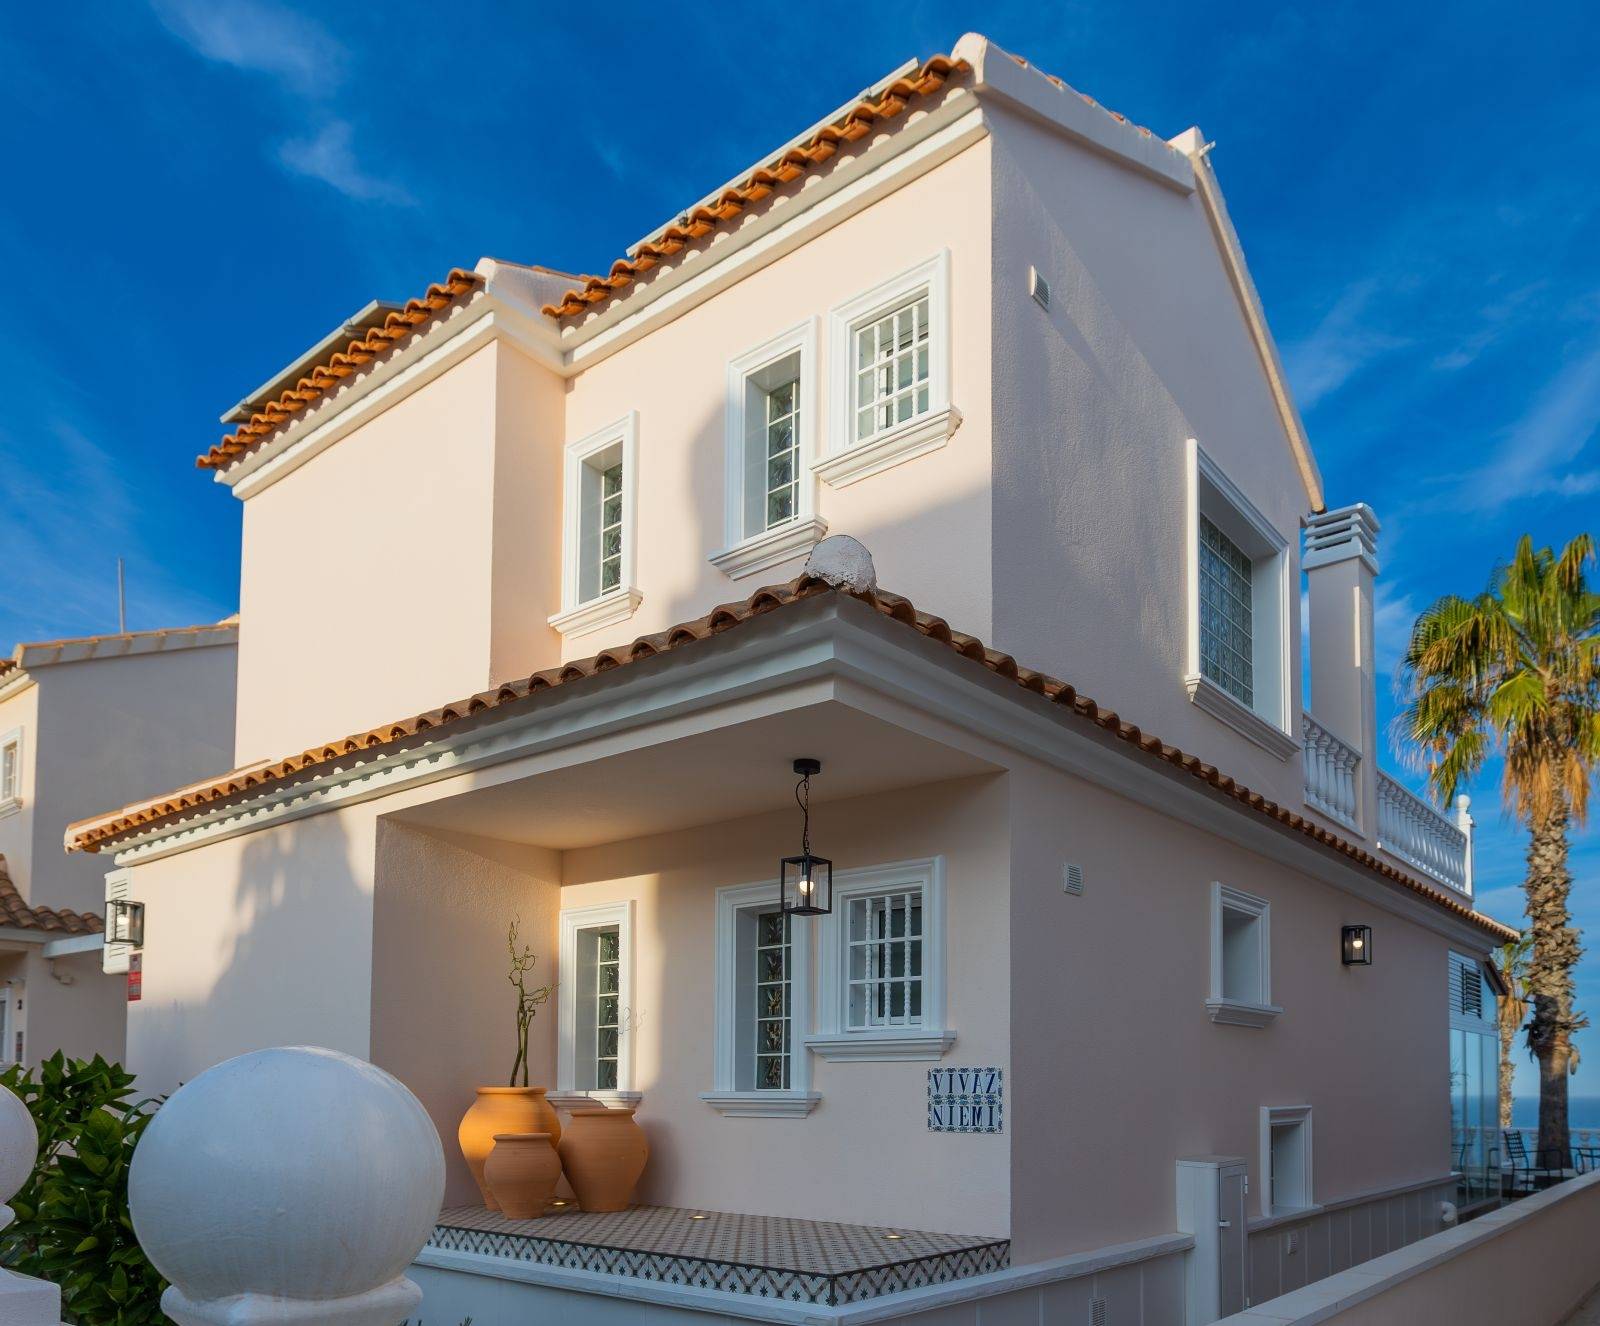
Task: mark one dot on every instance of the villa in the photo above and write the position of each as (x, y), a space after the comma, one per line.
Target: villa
(955, 411)
(84, 722)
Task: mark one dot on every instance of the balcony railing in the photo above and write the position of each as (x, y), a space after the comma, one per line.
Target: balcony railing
(1412, 830)
(1331, 767)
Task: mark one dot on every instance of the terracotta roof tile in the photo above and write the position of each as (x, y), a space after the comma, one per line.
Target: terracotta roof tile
(857, 122)
(93, 834)
(15, 914)
(397, 327)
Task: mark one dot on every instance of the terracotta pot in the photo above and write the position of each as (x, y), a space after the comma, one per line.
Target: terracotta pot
(603, 1152)
(521, 1172)
(503, 1110)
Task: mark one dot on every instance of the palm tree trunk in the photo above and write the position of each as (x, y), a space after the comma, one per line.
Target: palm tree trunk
(1509, 1026)
(1555, 954)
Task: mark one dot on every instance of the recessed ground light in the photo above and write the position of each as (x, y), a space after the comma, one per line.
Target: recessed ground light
(558, 1201)
(699, 1217)
(896, 1237)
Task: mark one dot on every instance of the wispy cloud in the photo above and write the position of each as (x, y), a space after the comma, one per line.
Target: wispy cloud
(1538, 451)
(1343, 343)
(259, 36)
(329, 156)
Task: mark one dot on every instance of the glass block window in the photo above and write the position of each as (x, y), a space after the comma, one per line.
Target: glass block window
(600, 531)
(771, 1014)
(891, 368)
(772, 406)
(610, 527)
(10, 770)
(1226, 641)
(607, 1014)
(884, 937)
(783, 450)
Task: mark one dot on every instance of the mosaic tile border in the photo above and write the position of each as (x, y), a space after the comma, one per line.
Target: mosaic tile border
(831, 1287)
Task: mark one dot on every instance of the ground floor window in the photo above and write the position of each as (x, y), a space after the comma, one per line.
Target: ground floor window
(1285, 1159)
(593, 995)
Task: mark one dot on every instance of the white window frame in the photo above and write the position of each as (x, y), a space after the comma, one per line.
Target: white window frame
(727, 1096)
(10, 805)
(846, 460)
(1270, 722)
(580, 616)
(572, 921)
(833, 1039)
(1279, 1116)
(745, 553)
(8, 1023)
(1237, 1012)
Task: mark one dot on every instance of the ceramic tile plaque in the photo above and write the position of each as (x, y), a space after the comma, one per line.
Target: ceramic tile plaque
(965, 1100)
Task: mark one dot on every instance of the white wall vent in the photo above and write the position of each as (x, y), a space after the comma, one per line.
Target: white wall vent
(114, 957)
(1039, 288)
(1097, 1312)
(1072, 879)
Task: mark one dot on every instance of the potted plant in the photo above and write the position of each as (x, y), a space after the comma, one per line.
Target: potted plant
(515, 1107)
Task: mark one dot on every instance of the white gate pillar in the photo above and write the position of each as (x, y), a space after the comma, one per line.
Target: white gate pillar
(24, 1301)
(288, 1187)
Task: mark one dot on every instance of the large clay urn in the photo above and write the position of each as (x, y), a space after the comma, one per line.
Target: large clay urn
(503, 1110)
(522, 1172)
(603, 1153)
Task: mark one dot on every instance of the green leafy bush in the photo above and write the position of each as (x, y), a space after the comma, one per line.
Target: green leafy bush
(72, 1224)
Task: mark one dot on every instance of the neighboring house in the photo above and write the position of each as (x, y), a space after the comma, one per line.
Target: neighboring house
(80, 721)
(1008, 342)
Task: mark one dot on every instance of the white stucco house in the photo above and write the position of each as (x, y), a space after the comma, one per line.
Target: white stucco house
(81, 720)
(1133, 1005)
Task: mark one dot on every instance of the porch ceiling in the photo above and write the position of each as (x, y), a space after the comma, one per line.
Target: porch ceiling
(731, 772)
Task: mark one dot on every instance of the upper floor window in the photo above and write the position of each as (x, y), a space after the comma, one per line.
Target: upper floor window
(599, 522)
(1241, 959)
(1239, 610)
(890, 378)
(762, 1005)
(11, 769)
(882, 965)
(771, 427)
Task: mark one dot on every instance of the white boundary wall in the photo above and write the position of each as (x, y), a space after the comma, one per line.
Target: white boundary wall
(1530, 1263)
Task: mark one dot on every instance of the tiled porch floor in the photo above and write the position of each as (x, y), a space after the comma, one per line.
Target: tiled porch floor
(798, 1261)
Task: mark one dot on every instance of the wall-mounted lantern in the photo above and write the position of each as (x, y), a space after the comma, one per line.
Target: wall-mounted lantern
(125, 923)
(805, 882)
(1355, 945)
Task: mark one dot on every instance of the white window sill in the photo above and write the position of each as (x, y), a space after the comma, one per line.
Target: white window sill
(607, 610)
(882, 1046)
(1207, 695)
(1236, 1014)
(578, 1100)
(762, 1104)
(759, 552)
(914, 438)
(10, 806)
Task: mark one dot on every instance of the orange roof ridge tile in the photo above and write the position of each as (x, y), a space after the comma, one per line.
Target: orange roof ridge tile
(17, 915)
(91, 834)
(852, 124)
(396, 327)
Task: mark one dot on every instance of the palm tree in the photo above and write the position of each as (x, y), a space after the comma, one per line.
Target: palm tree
(1517, 671)
(1511, 961)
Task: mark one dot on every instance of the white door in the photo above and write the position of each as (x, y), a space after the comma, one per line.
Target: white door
(1233, 1248)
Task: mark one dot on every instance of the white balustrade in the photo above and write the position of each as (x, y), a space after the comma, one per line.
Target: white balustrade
(24, 1301)
(288, 1186)
(1331, 767)
(1412, 830)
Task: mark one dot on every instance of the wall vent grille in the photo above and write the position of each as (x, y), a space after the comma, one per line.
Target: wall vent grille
(1097, 1312)
(1039, 288)
(1072, 878)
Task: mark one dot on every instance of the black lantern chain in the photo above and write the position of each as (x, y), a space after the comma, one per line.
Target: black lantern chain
(805, 882)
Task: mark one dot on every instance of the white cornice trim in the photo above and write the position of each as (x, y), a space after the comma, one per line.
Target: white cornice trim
(1207, 695)
(881, 1046)
(840, 469)
(817, 648)
(763, 551)
(762, 1104)
(607, 610)
(1236, 1014)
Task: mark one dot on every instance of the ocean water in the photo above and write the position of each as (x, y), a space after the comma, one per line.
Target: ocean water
(1582, 1112)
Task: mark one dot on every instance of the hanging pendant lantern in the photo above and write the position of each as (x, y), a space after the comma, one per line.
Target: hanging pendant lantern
(805, 882)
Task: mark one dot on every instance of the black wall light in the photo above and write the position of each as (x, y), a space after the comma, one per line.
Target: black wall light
(1355, 945)
(125, 923)
(805, 882)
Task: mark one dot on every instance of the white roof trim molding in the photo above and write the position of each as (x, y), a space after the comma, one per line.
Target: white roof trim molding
(1192, 143)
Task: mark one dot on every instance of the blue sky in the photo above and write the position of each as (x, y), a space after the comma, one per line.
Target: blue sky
(201, 189)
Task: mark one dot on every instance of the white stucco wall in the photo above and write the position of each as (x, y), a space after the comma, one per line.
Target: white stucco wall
(1143, 347)
(20, 712)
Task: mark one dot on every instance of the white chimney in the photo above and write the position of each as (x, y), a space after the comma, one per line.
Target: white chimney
(1341, 566)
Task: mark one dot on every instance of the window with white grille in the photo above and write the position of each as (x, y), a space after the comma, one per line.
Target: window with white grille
(1226, 634)
(882, 965)
(890, 374)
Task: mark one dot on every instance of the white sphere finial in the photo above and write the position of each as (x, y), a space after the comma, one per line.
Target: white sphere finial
(19, 1150)
(288, 1186)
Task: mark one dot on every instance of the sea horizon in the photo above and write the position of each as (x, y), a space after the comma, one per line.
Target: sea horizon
(1582, 1112)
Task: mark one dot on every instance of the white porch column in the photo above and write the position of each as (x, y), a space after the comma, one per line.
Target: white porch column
(288, 1187)
(24, 1301)
(1341, 566)
(1466, 824)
